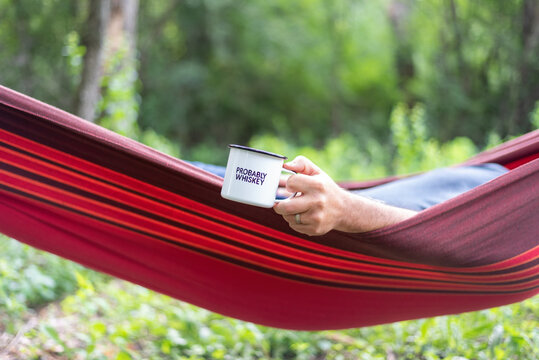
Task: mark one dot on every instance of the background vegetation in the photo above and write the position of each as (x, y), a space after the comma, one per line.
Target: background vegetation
(364, 88)
(205, 73)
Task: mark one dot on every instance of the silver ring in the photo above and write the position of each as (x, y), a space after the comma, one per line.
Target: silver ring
(298, 219)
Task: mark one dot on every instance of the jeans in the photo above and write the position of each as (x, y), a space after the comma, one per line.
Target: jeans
(423, 191)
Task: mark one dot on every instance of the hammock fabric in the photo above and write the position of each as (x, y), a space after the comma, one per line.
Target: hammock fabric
(84, 193)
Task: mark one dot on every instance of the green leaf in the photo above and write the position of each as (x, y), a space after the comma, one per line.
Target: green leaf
(123, 355)
(98, 329)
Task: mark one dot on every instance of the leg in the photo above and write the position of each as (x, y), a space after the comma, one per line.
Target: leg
(425, 190)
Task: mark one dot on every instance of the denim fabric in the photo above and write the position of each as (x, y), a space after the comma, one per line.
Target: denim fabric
(214, 169)
(421, 191)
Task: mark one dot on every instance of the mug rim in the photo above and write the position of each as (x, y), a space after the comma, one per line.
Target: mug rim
(242, 147)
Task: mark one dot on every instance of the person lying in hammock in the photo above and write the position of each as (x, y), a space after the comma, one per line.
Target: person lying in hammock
(324, 206)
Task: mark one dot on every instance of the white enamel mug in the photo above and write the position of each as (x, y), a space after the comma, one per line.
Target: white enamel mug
(252, 176)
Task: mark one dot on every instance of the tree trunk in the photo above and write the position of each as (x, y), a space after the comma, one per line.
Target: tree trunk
(122, 27)
(399, 12)
(94, 40)
(120, 105)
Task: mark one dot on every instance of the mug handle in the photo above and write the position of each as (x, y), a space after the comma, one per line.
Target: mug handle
(294, 194)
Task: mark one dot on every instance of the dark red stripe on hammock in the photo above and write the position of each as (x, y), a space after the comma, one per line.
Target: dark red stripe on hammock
(371, 262)
(62, 184)
(271, 271)
(514, 164)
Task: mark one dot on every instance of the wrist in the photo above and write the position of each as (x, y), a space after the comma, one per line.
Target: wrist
(361, 214)
(350, 207)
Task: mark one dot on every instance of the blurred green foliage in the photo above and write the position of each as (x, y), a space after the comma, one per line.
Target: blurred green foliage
(212, 72)
(119, 106)
(410, 149)
(309, 71)
(534, 116)
(36, 40)
(30, 278)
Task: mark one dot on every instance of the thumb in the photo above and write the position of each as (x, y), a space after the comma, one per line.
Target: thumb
(302, 165)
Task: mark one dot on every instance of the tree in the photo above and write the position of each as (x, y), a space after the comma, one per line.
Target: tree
(94, 41)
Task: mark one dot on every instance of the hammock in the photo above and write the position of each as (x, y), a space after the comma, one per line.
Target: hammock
(74, 189)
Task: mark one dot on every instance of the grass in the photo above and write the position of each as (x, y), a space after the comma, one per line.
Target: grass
(51, 308)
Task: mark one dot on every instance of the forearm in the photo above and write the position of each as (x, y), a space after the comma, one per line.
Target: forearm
(361, 214)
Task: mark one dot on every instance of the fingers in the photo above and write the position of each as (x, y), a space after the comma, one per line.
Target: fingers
(302, 165)
(310, 215)
(296, 205)
(282, 193)
(306, 218)
(304, 183)
(282, 180)
(316, 205)
(308, 224)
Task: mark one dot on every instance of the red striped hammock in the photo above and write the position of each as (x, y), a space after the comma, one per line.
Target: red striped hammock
(84, 193)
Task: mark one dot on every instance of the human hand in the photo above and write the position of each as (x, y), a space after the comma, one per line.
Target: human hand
(324, 206)
(321, 203)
